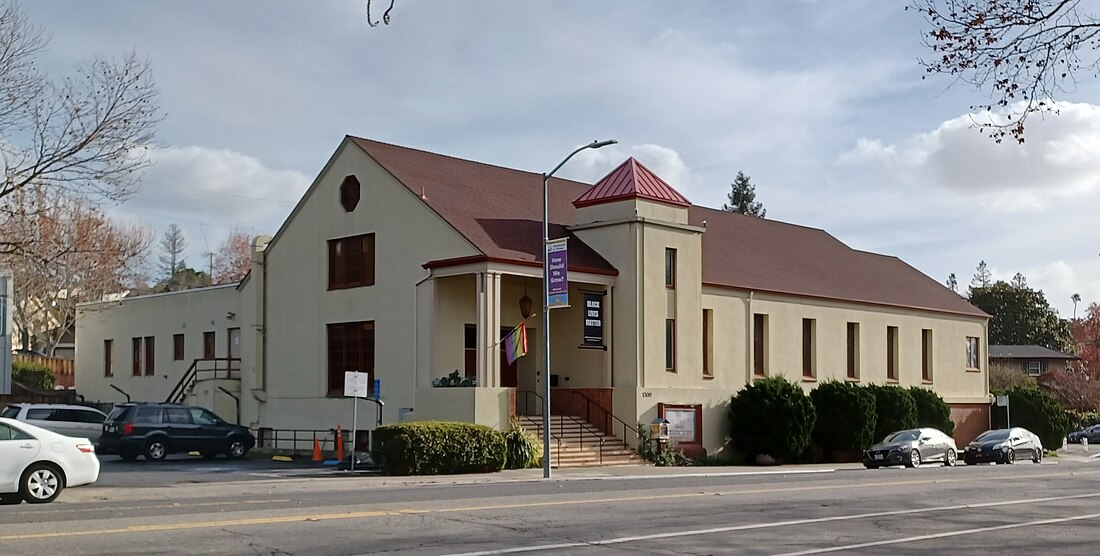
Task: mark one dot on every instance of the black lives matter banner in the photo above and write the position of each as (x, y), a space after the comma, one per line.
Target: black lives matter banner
(593, 319)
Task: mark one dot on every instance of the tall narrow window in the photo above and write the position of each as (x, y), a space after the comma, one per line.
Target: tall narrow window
(136, 356)
(469, 344)
(209, 347)
(150, 355)
(972, 354)
(670, 345)
(760, 344)
(177, 347)
(350, 348)
(351, 262)
(809, 331)
(926, 355)
(108, 358)
(708, 343)
(670, 268)
(853, 350)
(892, 353)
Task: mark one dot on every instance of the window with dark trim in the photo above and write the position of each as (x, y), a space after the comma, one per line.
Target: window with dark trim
(926, 355)
(150, 355)
(708, 343)
(351, 262)
(209, 345)
(177, 347)
(759, 344)
(108, 358)
(350, 348)
(853, 350)
(1035, 368)
(972, 353)
(892, 353)
(809, 330)
(670, 268)
(469, 348)
(136, 356)
(670, 345)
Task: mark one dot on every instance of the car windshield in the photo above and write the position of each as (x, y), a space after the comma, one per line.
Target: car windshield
(10, 412)
(902, 436)
(993, 435)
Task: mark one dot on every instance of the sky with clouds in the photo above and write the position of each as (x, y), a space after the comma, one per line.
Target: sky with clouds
(823, 104)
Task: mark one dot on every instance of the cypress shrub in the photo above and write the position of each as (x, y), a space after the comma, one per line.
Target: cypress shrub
(438, 448)
(845, 416)
(1037, 411)
(895, 410)
(772, 416)
(932, 411)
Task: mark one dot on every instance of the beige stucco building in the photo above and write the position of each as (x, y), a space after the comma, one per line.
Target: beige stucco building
(410, 265)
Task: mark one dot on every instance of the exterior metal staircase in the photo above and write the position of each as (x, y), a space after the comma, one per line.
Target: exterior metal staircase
(577, 443)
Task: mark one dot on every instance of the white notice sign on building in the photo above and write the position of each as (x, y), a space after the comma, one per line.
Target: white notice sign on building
(356, 385)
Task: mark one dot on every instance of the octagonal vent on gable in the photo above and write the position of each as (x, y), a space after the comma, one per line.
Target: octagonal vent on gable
(349, 193)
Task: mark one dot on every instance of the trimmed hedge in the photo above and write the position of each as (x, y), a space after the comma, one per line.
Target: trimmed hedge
(438, 448)
(1037, 411)
(845, 416)
(772, 416)
(932, 411)
(30, 375)
(895, 409)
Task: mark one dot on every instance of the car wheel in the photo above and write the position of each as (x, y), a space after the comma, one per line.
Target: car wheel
(156, 450)
(950, 457)
(41, 483)
(914, 459)
(1038, 456)
(1010, 456)
(236, 448)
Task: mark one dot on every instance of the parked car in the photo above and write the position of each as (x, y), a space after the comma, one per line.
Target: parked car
(1092, 433)
(1004, 446)
(911, 448)
(70, 420)
(37, 464)
(155, 430)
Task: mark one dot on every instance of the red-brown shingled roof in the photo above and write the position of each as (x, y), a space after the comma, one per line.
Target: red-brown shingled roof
(499, 210)
(631, 180)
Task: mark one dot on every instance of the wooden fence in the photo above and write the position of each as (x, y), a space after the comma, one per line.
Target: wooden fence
(63, 369)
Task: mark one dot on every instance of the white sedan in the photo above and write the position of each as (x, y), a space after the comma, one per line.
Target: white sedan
(36, 464)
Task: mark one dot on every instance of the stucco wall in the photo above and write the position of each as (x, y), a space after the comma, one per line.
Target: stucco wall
(190, 312)
(407, 234)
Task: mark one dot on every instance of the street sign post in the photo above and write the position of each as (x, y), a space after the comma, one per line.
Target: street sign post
(356, 385)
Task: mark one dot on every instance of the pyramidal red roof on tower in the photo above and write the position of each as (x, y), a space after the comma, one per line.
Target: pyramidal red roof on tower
(631, 180)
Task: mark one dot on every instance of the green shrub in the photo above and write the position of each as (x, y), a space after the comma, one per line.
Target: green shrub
(1037, 411)
(932, 411)
(438, 448)
(522, 451)
(895, 410)
(845, 416)
(662, 454)
(32, 376)
(772, 416)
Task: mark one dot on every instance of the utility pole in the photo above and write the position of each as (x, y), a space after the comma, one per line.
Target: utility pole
(210, 267)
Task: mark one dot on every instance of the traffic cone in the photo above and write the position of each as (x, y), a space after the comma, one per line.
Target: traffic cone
(317, 451)
(339, 443)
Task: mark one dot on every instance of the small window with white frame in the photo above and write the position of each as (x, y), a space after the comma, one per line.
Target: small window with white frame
(1034, 368)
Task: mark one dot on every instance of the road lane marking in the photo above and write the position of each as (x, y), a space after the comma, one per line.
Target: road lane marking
(356, 515)
(946, 534)
(808, 521)
(147, 507)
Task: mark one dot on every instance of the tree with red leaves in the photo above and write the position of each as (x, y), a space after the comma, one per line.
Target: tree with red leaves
(1086, 336)
(233, 260)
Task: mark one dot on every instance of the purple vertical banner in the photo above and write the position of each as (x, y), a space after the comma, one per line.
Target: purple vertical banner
(557, 287)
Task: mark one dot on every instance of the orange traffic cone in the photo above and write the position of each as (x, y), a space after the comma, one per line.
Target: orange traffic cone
(317, 451)
(339, 443)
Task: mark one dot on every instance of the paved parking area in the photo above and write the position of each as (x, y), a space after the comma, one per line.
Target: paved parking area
(181, 468)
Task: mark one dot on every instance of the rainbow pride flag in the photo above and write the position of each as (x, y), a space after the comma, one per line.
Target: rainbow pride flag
(515, 343)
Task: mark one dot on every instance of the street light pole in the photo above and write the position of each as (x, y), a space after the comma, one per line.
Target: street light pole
(546, 303)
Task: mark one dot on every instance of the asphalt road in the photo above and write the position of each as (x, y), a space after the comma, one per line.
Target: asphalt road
(1052, 508)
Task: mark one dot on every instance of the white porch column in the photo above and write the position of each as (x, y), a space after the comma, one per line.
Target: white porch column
(426, 322)
(488, 329)
(493, 363)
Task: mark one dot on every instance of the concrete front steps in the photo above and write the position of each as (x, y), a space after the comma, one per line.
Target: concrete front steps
(580, 444)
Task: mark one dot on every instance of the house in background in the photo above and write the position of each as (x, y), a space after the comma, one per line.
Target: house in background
(410, 265)
(1030, 360)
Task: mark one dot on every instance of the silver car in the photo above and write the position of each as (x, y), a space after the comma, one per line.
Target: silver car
(911, 448)
(70, 420)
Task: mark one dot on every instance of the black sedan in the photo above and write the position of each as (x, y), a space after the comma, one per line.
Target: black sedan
(911, 448)
(1004, 446)
(1091, 433)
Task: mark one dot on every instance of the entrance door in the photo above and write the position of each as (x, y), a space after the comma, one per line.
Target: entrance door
(507, 372)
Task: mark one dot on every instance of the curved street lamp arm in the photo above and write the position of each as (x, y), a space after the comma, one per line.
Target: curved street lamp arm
(592, 145)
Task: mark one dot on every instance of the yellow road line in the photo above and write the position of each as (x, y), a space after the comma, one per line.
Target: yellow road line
(410, 511)
(149, 507)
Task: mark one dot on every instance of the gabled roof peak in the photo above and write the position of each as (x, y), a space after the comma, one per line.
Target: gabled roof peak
(629, 181)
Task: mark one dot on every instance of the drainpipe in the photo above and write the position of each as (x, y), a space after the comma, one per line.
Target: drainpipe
(748, 339)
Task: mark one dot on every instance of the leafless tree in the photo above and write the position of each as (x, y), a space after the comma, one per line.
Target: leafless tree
(173, 243)
(1024, 53)
(84, 135)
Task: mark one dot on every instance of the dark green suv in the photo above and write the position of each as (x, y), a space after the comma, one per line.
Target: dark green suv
(155, 430)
